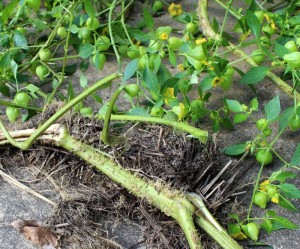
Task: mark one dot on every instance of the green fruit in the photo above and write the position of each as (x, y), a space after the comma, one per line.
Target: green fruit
(262, 124)
(258, 57)
(84, 33)
(268, 29)
(123, 50)
(155, 44)
(157, 6)
(175, 43)
(86, 111)
(267, 132)
(294, 123)
(66, 19)
(92, 23)
(271, 190)
(196, 103)
(226, 82)
(157, 111)
(229, 71)
(298, 41)
(190, 27)
(197, 64)
(291, 46)
(133, 52)
(42, 72)
(21, 30)
(62, 32)
(292, 59)
(132, 90)
(45, 54)
(261, 199)
(251, 230)
(12, 113)
(265, 41)
(264, 156)
(22, 99)
(34, 4)
(197, 53)
(260, 15)
(103, 43)
(99, 60)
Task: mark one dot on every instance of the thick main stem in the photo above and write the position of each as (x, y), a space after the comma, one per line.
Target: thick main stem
(170, 202)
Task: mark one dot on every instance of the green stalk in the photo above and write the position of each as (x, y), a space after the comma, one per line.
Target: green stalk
(170, 202)
(29, 141)
(209, 32)
(197, 133)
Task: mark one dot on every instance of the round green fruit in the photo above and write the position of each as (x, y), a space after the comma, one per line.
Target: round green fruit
(155, 44)
(132, 90)
(99, 60)
(294, 123)
(251, 230)
(34, 4)
(190, 27)
(292, 59)
(175, 43)
(264, 157)
(62, 32)
(157, 111)
(22, 99)
(45, 54)
(268, 29)
(262, 124)
(133, 52)
(84, 33)
(103, 43)
(123, 50)
(271, 190)
(226, 82)
(261, 199)
(92, 23)
(41, 71)
(21, 30)
(291, 46)
(258, 57)
(157, 6)
(12, 113)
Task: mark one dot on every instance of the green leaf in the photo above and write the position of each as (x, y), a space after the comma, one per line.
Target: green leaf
(272, 109)
(8, 11)
(284, 118)
(130, 69)
(239, 118)
(206, 83)
(280, 50)
(85, 51)
(32, 89)
(254, 75)
(14, 68)
(138, 111)
(285, 175)
(20, 39)
(279, 222)
(148, 19)
(234, 105)
(235, 150)
(289, 190)
(172, 58)
(283, 202)
(151, 80)
(83, 81)
(74, 29)
(253, 23)
(254, 104)
(296, 157)
(89, 8)
(71, 93)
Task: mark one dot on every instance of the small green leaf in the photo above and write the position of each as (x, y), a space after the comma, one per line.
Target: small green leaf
(172, 58)
(254, 104)
(14, 68)
(234, 105)
(86, 50)
(74, 29)
(71, 93)
(89, 8)
(280, 50)
(254, 75)
(253, 23)
(32, 89)
(296, 157)
(20, 39)
(83, 81)
(130, 69)
(206, 83)
(272, 109)
(285, 117)
(283, 176)
(235, 150)
(283, 202)
(279, 222)
(148, 19)
(151, 80)
(239, 118)
(138, 111)
(289, 190)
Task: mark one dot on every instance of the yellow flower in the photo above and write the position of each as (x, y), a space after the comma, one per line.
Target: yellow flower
(267, 17)
(263, 185)
(175, 9)
(164, 36)
(275, 198)
(217, 81)
(181, 67)
(180, 111)
(239, 236)
(169, 94)
(200, 41)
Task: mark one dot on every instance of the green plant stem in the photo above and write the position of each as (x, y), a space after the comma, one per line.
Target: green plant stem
(105, 132)
(209, 32)
(197, 133)
(170, 202)
(29, 141)
(232, 11)
(123, 21)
